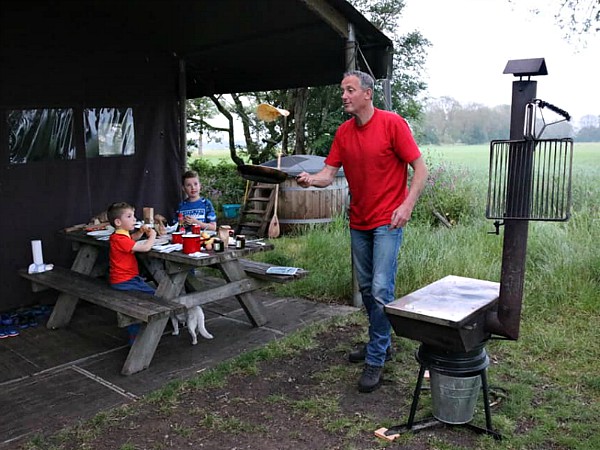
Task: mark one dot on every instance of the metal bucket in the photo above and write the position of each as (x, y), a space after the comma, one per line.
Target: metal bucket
(454, 398)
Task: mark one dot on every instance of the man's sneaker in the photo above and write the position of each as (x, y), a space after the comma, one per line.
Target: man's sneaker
(370, 378)
(359, 355)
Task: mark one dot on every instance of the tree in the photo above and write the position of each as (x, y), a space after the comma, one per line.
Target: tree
(446, 121)
(577, 18)
(198, 110)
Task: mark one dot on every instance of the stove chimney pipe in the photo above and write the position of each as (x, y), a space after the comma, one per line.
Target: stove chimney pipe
(505, 319)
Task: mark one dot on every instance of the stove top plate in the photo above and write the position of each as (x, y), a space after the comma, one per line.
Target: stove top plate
(450, 301)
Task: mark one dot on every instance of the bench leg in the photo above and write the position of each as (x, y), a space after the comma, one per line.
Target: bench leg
(63, 311)
(65, 304)
(144, 346)
(233, 271)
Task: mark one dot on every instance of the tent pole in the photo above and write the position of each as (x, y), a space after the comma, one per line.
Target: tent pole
(351, 65)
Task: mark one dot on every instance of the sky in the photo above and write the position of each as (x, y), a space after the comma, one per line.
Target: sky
(472, 40)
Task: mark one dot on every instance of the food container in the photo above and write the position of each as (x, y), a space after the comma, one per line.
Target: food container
(240, 241)
(223, 233)
(177, 237)
(191, 243)
(218, 245)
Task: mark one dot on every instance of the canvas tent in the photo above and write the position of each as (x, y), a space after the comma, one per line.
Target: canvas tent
(92, 95)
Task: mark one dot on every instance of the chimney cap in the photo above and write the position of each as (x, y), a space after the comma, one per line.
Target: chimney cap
(526, 67)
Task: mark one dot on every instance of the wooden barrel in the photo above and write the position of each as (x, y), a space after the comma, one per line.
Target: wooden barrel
(300, 206)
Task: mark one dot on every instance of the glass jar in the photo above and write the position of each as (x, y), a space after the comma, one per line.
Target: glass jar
(218, 246)
(240, 241)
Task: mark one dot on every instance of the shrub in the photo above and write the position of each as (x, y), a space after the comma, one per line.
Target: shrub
(450, 191)
(221, 183)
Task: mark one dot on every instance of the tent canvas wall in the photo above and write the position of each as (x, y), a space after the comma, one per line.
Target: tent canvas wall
(73, 72)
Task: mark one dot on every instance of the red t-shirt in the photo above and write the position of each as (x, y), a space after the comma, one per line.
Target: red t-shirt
(375, 157)
(123, 263)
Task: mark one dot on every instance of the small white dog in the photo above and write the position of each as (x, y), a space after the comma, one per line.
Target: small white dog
(194, 318)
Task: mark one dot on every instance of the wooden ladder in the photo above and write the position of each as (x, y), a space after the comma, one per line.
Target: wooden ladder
(257, 210)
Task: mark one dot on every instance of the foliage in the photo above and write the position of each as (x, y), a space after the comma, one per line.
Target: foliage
(451, 191)
(197, 111)
(410, 52)
(221, 182)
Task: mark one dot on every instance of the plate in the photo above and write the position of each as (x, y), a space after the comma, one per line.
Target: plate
(100, 233)
(161, 241)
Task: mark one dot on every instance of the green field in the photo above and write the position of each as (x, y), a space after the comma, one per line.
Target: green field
(475, 157)
(586, 156)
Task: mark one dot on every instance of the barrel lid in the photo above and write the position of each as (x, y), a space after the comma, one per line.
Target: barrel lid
(293, 165)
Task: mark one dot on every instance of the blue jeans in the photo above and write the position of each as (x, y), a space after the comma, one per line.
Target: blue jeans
(137, 283)
(375, 254)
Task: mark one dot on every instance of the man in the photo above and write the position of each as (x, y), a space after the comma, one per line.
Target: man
(375, 147)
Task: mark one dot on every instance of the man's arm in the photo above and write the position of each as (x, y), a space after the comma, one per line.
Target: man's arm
(402, 213)
(323, 178)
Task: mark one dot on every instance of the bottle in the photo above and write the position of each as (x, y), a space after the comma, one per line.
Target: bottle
(181, 226)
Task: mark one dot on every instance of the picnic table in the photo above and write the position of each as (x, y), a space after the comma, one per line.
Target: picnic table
(178, 288)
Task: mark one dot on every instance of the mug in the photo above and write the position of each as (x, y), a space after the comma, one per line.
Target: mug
(196, 229)
(177, 237)
(191, 243)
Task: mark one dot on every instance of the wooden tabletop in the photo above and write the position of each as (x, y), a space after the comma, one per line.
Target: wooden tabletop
(179, 257)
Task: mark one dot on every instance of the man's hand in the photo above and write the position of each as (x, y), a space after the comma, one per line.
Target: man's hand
(323, 178)
(400, 216)
(304, 180)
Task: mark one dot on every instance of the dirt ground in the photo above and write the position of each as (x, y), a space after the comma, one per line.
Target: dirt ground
(308, 400)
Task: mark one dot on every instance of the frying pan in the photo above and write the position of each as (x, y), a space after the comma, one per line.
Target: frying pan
(261, 174)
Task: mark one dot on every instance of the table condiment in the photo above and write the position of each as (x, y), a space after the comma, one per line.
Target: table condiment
(223, 233)
(240, 241)
(181, 223)
(218, 246)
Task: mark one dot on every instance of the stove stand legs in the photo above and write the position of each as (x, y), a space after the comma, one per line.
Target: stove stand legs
(412, 426)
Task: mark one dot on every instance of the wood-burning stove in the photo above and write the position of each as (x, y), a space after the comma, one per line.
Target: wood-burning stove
(453, 318)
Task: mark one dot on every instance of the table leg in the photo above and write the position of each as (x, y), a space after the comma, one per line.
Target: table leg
(233, 271)
(144, 346)
(169, 286)
(65, 304)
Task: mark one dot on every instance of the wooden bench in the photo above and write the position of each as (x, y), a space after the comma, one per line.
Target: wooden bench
(259, 270)
(130, 306)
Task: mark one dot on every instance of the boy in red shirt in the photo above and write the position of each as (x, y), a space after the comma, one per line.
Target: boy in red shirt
(124, 274)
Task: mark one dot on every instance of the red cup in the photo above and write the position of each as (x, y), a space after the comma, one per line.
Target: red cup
(177, 237)
(191, 243)
(196, 229)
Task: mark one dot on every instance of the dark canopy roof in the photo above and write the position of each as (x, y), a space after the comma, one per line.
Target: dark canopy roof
(227, 45)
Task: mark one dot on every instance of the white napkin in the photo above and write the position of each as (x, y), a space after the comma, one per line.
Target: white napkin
(198, 255)
(171, 228)
(168, 248)
(38, 268)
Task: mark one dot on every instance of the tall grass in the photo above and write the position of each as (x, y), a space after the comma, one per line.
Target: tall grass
(560, 254)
